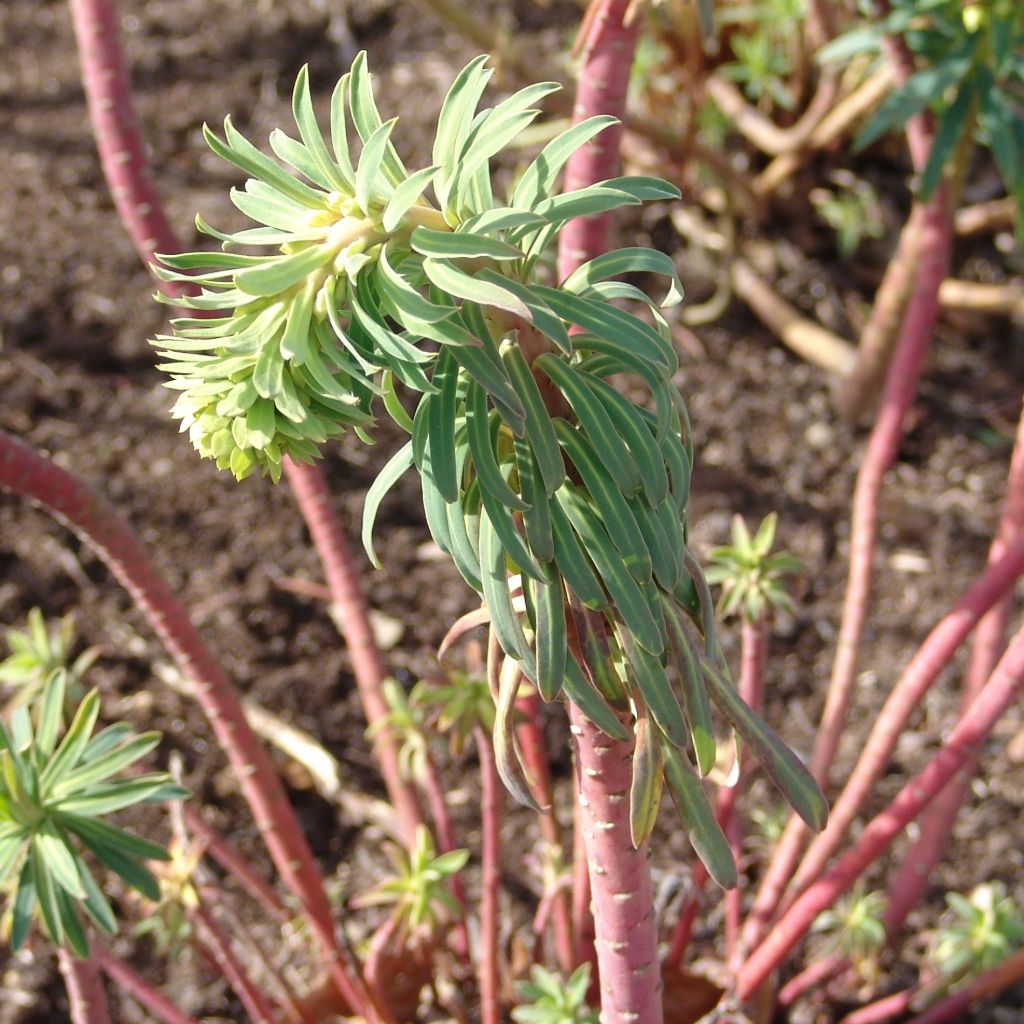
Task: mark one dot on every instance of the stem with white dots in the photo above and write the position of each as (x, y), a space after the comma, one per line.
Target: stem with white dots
(622, 892)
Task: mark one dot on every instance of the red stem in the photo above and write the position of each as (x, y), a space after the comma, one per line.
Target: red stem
(228, 857)
(218, 946)
(932, 657)
(86, 998)
(123, 157)
(607, 46)
(583, 935)
(116, 129)
(911, 878)
(490, 879)
(812, 976)
(1002, 688)
(996, 979)
(142, 991)
(882, 1009)
(883, 445)
(620, 879)
(315, 502)
(533, 749)
(26, 473)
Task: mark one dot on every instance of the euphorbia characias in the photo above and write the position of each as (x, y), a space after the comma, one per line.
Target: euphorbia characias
(561, 502)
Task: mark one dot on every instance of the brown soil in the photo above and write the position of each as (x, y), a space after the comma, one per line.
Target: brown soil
(78, 382)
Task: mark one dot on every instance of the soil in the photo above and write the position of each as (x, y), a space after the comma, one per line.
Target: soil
(78, 382)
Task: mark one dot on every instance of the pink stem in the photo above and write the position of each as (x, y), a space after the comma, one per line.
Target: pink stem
(996, 979)
(583, 936)
(883, 444)
(86, 998)
(883, 1009)
(932, 657)
(123, 157)
(911, 878)
(142, 991)
(620, 879)
(315, 502)
(490, 879)
(607, 57)
(682, 933)
(228, 857)
(811, 977)
(1002, 688)
(26, 473)
(533, 749)
(116, 128)
(218, 945)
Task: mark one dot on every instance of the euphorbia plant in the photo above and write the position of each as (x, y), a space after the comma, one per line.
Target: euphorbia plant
(561, 501)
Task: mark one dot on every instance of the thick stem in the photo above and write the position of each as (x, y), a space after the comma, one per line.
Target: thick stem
(607, 52)
(490, 879)
(964, 742)
(932, 657)
(620, 879)
(315, 502)
(143, 992)
(86, 998)
(911, 878)
(583, 935)
(109, 535)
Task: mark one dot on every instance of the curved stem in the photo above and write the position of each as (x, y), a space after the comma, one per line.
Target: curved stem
(86, 998)
(911, 878)
(109, 535)
(1001, 690)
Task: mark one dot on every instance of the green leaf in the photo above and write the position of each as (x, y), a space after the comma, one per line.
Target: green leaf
(450, 279)
(505, 759)
(243, 154)
(644, 189)
(539, 177)
(75, 739)
(573, 563)
(501, 218)
(645, 789)
(96, 830)
(504, 620)
(367, 120)
(450, 245)
(551, 634)
(698, 819)
(612, 324)
(405, 196)
(371, 162)
(102, 799)
(51, 713)
(24, 906)
(584, 202)
(441, 426)
(58, 859)
(539, 429)
(478, 429)
(695, 697)
(910, 99)
(784, 768)
(456, 118)
(627, 261)
(46, 893)
(406, 299)
(589, 700)
(593, 420)
(103, 767)
(626, 594)
(653, 685)
(339, 133)
(386, 479)
(537, 514)
(276, 275)
(309, 130)
(544, 318)
(608, 501)
(951, 127)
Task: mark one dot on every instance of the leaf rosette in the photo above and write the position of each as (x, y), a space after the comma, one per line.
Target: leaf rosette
(560, 501)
